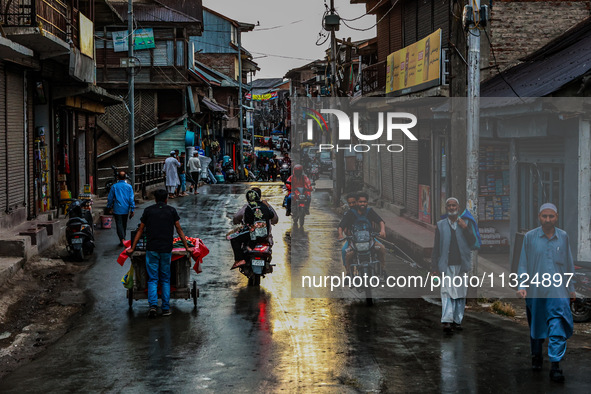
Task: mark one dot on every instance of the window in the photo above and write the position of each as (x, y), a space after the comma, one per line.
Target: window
(539, 184)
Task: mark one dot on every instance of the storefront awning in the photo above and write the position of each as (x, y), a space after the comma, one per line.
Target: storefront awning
(212, 106)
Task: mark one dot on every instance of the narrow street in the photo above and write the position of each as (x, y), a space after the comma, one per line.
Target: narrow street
(244, 339)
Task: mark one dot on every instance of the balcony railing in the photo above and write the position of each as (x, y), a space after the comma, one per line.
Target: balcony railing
(373, 79)
(53, 16)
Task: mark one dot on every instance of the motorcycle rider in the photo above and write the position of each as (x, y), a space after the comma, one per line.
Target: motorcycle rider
(298, 179)
(286, 159)
(256, 210)
(362, 212)
(351, 204)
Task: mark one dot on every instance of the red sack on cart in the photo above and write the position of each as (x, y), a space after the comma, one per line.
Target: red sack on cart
(198, 253)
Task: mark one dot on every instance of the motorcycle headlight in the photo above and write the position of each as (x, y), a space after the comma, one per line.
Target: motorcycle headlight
(362, 246)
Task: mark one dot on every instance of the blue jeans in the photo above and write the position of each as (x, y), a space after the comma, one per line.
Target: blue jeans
(158, 269)
(344, 252)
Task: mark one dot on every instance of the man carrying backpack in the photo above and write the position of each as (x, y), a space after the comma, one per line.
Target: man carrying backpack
(362, 214)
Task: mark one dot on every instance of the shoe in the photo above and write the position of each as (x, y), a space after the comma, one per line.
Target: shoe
(307, 211)
(456, 327)
(166, 312)
(556, 374)
(536, 362)
(152, 312)
(238, 264)
(447, 328)
(120, 243)
(288, 213)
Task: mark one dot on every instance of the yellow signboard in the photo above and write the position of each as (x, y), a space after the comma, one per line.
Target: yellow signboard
(416, 67)
(86, 36)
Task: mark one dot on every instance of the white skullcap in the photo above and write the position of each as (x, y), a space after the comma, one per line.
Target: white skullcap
(453, 199)
(548, 205)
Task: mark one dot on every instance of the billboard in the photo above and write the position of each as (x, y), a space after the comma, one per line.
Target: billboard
(86, 36)
(416, 67)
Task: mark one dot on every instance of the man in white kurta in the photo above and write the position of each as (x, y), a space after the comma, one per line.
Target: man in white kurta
(170, 169)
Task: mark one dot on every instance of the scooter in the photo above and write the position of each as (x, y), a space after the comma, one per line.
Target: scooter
(258, 253)
(231, 176)
(581, 307)
(314, 172)
(284, 172)
(80, 229)
(298, 206)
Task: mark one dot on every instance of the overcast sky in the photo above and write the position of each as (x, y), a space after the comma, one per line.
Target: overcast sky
(300, 22)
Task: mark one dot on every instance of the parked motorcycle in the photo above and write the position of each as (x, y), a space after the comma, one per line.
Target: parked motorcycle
(231, 175)
(362, 241)
(298, 206)
(284, 172)
(79, 229)
(258, 253)
(581, 307)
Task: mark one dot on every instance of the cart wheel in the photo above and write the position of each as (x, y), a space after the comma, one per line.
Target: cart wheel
(130, 297)
(195, 293)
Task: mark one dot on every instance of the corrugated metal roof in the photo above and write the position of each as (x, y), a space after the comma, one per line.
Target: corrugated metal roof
(266, 83)
(225, 80)
(553, 67)
(212, 106)
(152, 12)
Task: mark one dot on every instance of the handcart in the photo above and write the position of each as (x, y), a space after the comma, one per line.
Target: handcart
(180, 278)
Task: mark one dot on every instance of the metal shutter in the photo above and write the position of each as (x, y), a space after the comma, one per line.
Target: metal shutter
(15, 128)
(3, 142)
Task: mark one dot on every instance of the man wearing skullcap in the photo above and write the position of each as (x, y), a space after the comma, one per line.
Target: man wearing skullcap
(454, 240)
(546, 250)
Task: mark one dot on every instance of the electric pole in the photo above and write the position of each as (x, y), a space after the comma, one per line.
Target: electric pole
(241, 144)
(332, 22)
(130, 95)
(473, 116)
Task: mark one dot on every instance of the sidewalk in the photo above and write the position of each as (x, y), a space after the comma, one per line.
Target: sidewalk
(21, 243)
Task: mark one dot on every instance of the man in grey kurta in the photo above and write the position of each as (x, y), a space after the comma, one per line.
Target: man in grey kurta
(170, 169)
(546, 254)
(452, 257)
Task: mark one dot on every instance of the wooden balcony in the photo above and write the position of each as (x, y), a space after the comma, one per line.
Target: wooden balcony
(48, 27)
(373, 79)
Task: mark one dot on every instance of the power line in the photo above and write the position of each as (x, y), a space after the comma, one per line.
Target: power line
(369, 28)
(366, 14)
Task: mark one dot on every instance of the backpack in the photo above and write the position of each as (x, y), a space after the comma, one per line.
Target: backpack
(362, 222)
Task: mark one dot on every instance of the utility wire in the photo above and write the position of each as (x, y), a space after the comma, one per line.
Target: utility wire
(369, 28)
(366, 14)
(492, 50)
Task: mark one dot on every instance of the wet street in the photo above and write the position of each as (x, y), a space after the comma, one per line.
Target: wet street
(244, 339)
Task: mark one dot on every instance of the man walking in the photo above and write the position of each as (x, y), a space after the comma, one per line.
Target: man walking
(194, 165)
(546, 253)
(170, 169)
(159, 221)
(121, 200)
(454, 239)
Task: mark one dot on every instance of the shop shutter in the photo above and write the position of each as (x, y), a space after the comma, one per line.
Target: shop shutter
(441, 14)
(541, 150)
(3, 160)
(15, 124)
(410, 23)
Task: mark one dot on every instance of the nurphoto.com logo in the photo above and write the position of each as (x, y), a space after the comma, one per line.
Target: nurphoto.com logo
(391, 122)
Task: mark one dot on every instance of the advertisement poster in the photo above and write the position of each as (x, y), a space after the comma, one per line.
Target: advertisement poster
(414, 68)
(424, 204)
(142, 39)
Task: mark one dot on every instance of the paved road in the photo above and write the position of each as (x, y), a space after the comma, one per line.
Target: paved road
(242, 339)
